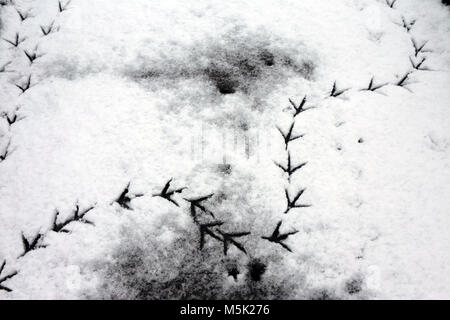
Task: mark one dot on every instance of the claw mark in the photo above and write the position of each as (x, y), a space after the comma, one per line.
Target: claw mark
(335, 92)
(31, 56)
(63, 7)
(391, 3)
(292, 203)
(46, 30)
(418, 48)
(33, 244)
(300, 108)
(59, 227)
(288, 137)
(196, 203)
(402, 82)
(5, 278)
(278, 237)
(408, 25)
(373, 87)
(6, 152)
(16, 40)
(417, 65)
(78, 216)
(289, 169)
(23, 15)
(228, 238)
(3, 68)
(125, 198)
(205, 229)
(166, 194)
(11, 120)
(24, 88)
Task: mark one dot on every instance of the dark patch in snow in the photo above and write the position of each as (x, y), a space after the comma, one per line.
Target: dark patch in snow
(177, 272)
(243, 67)
(323, 294)
(237, 62)
(239, 67)
(142, 269)
(147, 271)
(354, 286)
(232, 75)
(223, 80)
(243, 125)
(267, 57)
(221, 196)
(256, 269)
(225, 168)
(233, 270)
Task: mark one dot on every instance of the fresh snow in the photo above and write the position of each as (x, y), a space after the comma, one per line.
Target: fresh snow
(120, 93)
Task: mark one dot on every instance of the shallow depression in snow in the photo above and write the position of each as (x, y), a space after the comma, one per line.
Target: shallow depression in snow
(248, 65)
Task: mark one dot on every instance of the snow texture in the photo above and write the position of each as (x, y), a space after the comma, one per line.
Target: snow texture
(103, 102)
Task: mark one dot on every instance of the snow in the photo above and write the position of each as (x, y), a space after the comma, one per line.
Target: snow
(127, 92)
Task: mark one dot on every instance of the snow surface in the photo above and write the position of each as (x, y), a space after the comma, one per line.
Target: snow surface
(122, 91)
